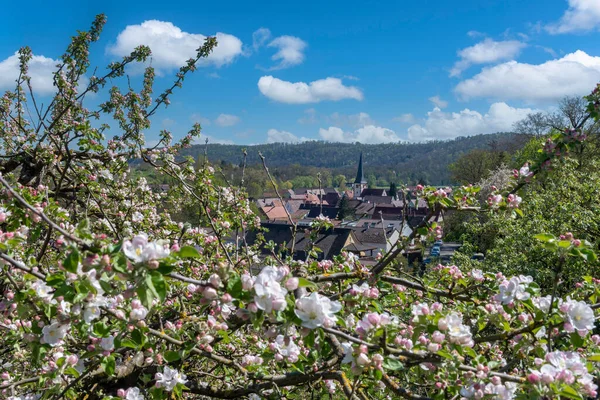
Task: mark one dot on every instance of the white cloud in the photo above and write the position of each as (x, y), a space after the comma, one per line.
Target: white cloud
(199, 119)
(302, 93)
(227, 120)
(442, 125)
(290, 51)
(310, 117)
(486, 52)
(366, 134)
(582, 15)
(405, 119)
(211, 140)
(171, 47)
(474, 34)
(260, 37)
(574, 74)
(40, 70)
(438, 102)
(354, 120)
(167, 123)
(276, 136)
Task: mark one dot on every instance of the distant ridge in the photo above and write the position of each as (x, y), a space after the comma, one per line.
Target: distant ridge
(411, 161)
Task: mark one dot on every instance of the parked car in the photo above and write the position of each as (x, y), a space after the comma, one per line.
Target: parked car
(478, 257)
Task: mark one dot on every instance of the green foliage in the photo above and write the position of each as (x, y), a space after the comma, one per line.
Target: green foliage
(567, 200)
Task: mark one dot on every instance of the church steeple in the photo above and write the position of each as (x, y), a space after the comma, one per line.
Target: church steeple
(360, 176)
(360, 183)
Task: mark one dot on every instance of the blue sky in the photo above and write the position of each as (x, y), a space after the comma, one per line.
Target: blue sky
(338, 70)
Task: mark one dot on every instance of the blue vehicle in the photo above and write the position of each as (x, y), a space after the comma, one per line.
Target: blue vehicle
(438, 243)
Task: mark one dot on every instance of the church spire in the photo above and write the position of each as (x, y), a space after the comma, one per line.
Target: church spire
(360, 177)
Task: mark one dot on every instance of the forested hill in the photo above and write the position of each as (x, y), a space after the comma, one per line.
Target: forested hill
(410, 162)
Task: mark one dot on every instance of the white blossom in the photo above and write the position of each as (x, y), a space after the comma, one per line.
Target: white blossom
(108, 343)
(169, 378)
(580, 315)
(133, 393)
(514, 288)
(543, 303)
(457, 331)
(269, 294)
(316, 310)
(54, 333)
(287, 348)
(140, 250)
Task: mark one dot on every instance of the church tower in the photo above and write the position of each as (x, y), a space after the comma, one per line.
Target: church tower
(360, 183)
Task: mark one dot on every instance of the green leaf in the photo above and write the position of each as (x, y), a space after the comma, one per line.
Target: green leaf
(108, 365)
(171, 356)
(392, 364)
(72, 262)
(146, 296)
(303, 282)
(72, 371)
(378, 374)
(138, 337)
(55, 280)
(564, 244)
(156, 283)
(576, 340)
(188, 252)
(544, 237)
(445, 354)
(165, 269)
(120, 263)
(101, 329)
(594, 358)
(469, 351)
(129, 343)
(589, 255)
(570, 393)
(234, 286)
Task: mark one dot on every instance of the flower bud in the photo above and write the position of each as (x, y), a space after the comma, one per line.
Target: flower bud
(292, 284)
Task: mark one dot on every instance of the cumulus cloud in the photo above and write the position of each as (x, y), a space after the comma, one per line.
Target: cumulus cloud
(581, 16)
(260, 37)
(40, 70)
(227, 120)
(441, 125)
(366, 134)
(574, 74)
(486, 52)
(290, 51)
(405, 118)
(171, 47)
(438, 102)
(331, 89)
(277, 136)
